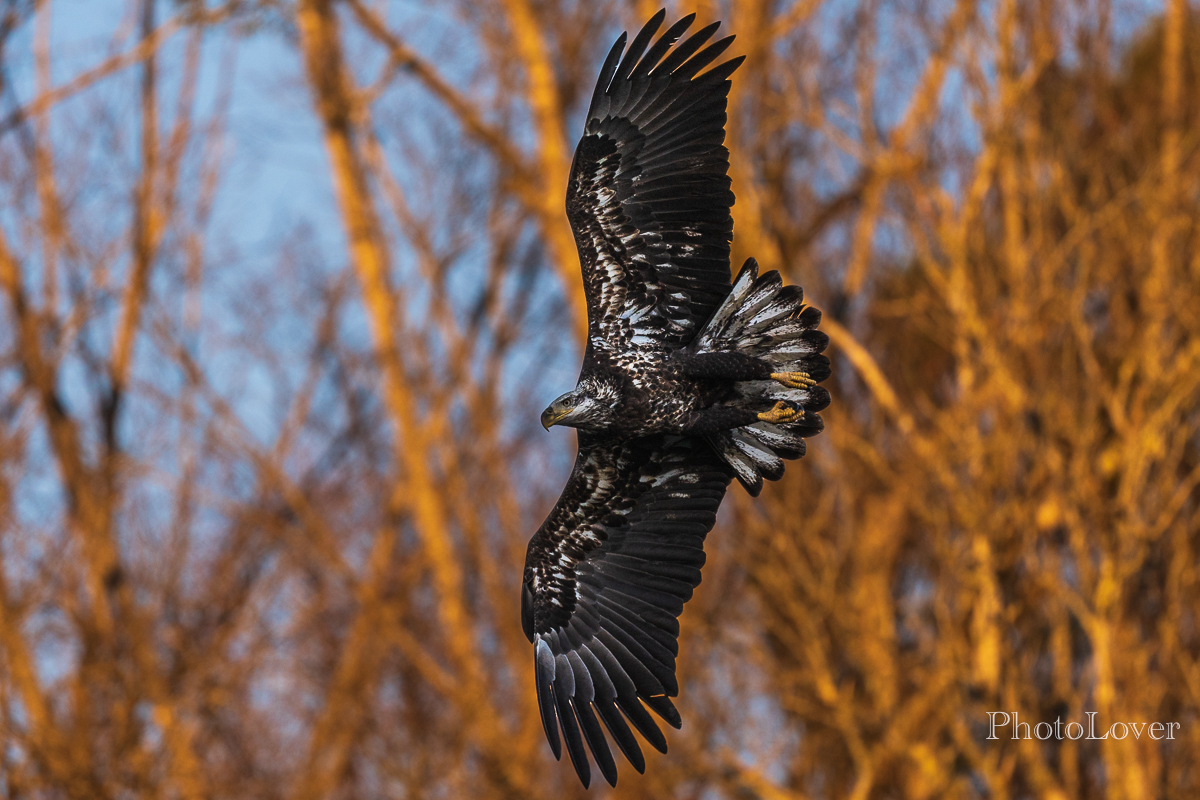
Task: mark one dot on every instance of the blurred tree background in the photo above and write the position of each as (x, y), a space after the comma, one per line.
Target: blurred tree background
(267, 476)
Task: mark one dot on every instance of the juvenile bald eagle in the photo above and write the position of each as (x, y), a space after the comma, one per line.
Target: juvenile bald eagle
(687, 382)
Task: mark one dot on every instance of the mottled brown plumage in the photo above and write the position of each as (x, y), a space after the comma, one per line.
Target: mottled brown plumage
(687, 382)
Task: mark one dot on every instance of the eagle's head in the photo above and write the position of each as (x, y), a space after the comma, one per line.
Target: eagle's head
(591, 405)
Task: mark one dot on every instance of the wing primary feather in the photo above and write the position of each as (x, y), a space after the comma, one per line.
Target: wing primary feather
(642, 720)
(638, 45)
(689, 47)
(618, 728)
(723, 70)
(662, 705)
(705, 57)
(596, 741)
(660, 48)
(602, 685)
(627, 697)
(564, 677)
(606, 76)
(544, 677)
(585, 689)
(573, 740)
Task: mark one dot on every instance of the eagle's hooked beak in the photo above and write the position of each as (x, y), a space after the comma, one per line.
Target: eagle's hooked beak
(556, 412)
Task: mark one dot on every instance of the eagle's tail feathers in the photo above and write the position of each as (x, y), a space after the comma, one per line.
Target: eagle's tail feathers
(733, 301)
(763, 318)
(744, 467)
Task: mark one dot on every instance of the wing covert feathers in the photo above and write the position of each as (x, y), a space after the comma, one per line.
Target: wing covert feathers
(606, 577)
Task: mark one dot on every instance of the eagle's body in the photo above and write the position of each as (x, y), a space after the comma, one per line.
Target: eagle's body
(655, 395)
(687, 382)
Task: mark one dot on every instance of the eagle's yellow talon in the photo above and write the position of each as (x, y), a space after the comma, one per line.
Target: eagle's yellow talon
(794, 380)
(781, 412)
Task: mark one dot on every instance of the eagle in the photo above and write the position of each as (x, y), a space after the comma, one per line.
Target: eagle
(688, 382)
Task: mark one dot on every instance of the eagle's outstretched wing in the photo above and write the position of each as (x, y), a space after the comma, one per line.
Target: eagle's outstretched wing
(648, 196)
(606, 577)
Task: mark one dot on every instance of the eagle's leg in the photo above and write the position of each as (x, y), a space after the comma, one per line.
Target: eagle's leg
(719, 418)
(740, 367)
(725, 366)
(725, 418)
